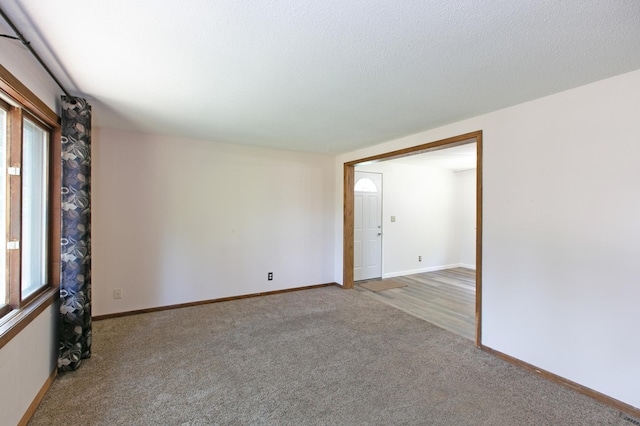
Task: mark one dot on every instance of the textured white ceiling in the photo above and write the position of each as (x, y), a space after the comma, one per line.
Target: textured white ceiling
(322, 76)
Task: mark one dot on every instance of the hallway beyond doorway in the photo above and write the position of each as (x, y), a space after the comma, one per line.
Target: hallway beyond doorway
(445, 298)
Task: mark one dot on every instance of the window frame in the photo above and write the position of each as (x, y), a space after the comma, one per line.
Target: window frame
(20, 300)
(6, 308)
(25, 104)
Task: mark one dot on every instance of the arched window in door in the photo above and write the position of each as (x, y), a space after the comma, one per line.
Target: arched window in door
(365, 185)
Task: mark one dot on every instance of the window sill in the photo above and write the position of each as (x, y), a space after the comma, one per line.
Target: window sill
(14, 323)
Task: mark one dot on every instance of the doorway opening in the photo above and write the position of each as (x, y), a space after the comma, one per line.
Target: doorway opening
(349, 197)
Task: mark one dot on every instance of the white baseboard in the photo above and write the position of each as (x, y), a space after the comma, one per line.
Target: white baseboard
(428, 269)
(419, 271)
(467, 265)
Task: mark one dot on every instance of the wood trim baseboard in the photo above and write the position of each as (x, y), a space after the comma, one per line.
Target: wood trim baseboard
(600, 397)
(36, 401)
(208, 301)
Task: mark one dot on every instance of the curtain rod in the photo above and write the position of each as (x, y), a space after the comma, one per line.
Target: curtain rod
(33, 52)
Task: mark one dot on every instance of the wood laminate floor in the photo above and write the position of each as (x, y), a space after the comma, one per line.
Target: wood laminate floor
(445, 298)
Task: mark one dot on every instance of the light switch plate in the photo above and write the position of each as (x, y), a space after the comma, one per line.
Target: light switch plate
(393, 218)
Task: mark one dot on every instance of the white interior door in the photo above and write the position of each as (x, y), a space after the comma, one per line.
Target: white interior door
(367, 221)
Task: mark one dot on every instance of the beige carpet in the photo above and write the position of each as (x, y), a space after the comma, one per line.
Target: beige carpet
(382, 285)
(316, 357)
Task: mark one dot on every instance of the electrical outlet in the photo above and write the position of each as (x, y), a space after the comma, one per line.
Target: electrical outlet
(117, 293)
(270, 276)
(419, 258)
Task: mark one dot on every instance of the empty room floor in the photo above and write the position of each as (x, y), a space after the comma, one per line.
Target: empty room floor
(445, 298)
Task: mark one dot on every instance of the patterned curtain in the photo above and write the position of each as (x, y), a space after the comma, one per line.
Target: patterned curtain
(75, 282)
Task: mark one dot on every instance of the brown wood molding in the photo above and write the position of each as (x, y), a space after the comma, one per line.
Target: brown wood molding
(348, 227)
(347, 241)
(25, 104)
(479, 151)
(209, 301)
(420, 149)
(36, 401)
(14, 208)
(600, 397)
(20, 320)
(15, 89)
(55, 207)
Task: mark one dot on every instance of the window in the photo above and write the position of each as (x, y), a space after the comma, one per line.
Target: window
(24, 189)
(35, 162)
(29, 202)
(4, 294)
(365, 185)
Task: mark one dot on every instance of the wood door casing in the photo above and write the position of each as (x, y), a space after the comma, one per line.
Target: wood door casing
(348, 208)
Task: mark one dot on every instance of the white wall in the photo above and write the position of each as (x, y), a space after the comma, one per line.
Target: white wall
(561, 231)
(424, 202)
(29, 358)
(178, 220)
(465, 217)
(25, 364)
